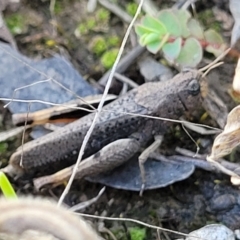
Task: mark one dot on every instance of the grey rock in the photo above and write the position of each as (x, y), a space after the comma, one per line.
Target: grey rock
(128, 176)
(14, 73)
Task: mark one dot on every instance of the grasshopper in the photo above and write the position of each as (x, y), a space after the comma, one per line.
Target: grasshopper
(119, 132)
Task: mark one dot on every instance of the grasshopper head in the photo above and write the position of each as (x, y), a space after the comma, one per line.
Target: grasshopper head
(189, 90)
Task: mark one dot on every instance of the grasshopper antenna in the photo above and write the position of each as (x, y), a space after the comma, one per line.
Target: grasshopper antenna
(214, 63)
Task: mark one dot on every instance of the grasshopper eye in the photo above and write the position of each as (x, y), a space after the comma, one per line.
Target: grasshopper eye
(194, 87)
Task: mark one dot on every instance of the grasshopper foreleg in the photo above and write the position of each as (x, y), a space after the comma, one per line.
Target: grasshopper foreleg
(144, 156)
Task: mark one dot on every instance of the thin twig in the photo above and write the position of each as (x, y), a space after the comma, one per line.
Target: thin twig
(193, 140)
(25, 86)
(124, 89)
(200, 161)
(83, 205)
(126, 113)
(10, 133)
(201, 130)
(184, 4)
(89, 132)
(221, 56)
(149, 7)
(47, 103)
(137, 222)
(23, 135)
(188, 153)
(91, 5)
(125, 79)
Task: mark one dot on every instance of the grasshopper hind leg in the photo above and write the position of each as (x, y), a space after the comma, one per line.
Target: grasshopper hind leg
(108, 158)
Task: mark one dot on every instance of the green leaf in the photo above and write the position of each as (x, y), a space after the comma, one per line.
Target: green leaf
(156, 46)
(190, 54)
(212, 36)
(216, 51)
(215, 42)
(172, 50)
(141, 30)
(154, 25)
(170, 21)
(195, 29)
(6, 186)
(151, 37)
(183, 16)
(142, 39)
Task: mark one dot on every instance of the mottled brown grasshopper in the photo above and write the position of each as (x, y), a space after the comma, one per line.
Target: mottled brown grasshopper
(120, 132)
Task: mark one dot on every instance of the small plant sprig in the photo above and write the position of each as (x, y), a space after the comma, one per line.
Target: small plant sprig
(6, 187)
(180, 37)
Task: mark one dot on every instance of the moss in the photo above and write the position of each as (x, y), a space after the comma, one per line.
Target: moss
(119, 233)
(102, 14)
(16, 23)
(50, 43)
(205, 16)
(131, 8)
(3, 147)
(82, 29)
(99, 22)
(137, 233)
(216, 26)
(58, 8)
(91, 23)
(208, 20)
(113, 41)
(102, 18)
(98, 45)
(152, 213)
(108, 58)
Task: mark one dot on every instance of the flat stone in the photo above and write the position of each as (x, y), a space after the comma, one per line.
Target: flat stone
(14, 73)
(158, 174)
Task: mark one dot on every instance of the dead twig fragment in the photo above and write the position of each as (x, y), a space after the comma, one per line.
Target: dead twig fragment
(10, 133)
(83, 205)
(114, 8)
